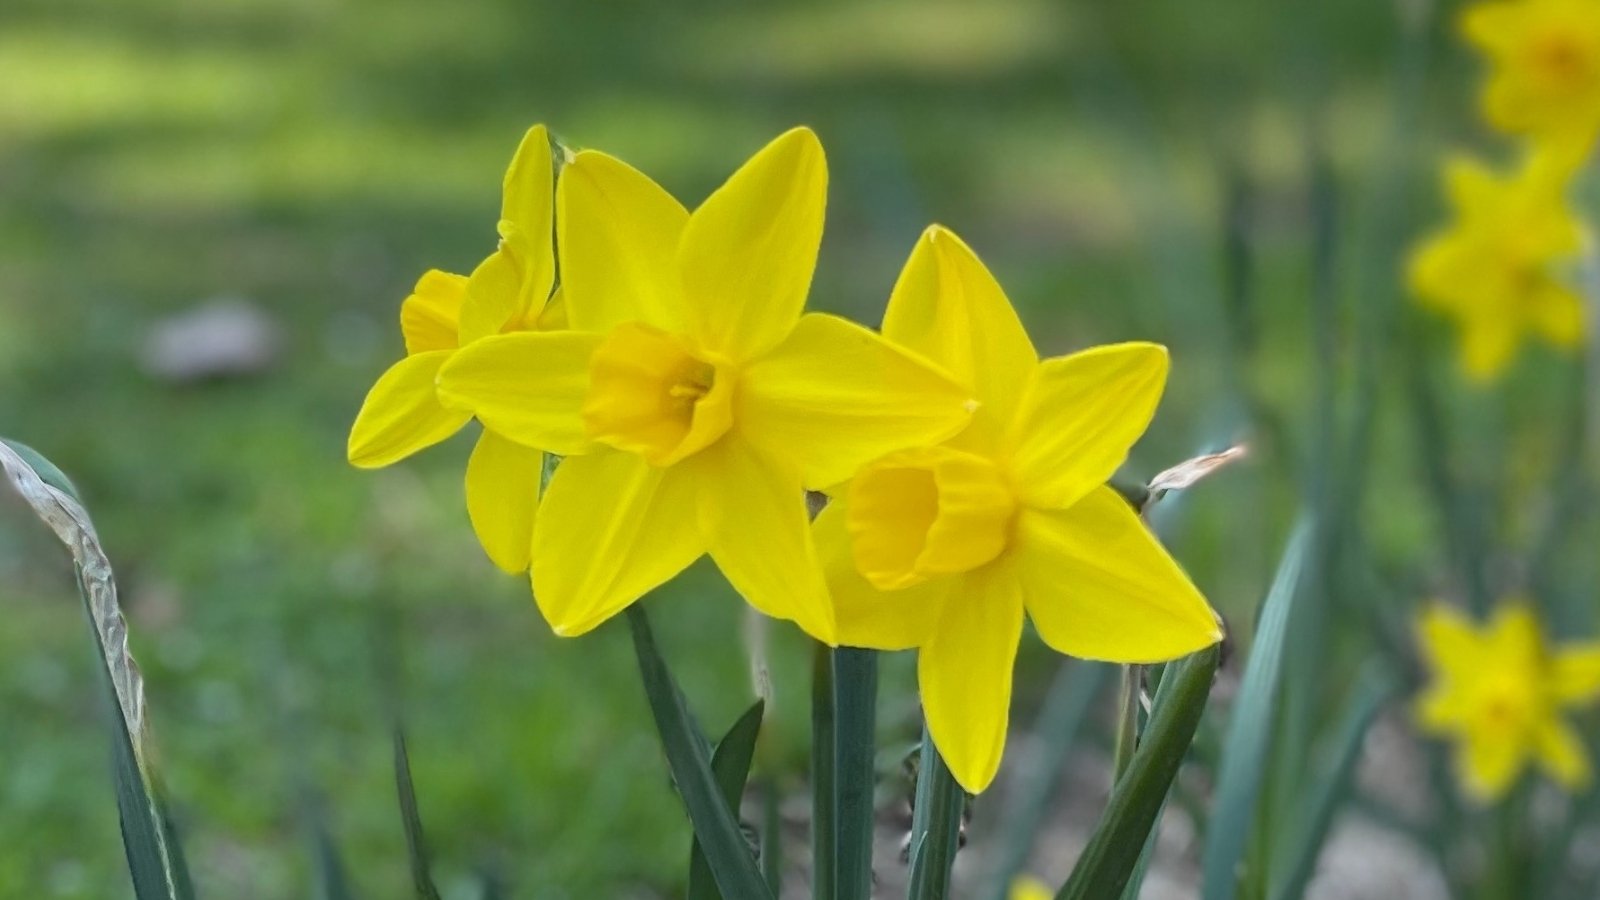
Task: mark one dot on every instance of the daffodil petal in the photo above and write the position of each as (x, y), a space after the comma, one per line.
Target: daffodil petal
(834, 396)
(402, 413)
(965, 672)
(1079, 417)
(429, 317)
(494, 297)
(502, 496)
(748, 252)
(527, 199)
(868, 617)
(619, 242)
(1099, 586)
(1449, 640)
(611, 529)
(527, 386)
(1575, 673)
(1561, 753)
(1490, 761)
(753, 516)
(948, 307)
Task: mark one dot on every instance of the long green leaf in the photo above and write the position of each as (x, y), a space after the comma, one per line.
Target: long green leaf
(824, 816)
(935, 825)
(730, 765)
(155, 864)
(855, 692)
(1118, 840)
(411, 818)
(732, 865)
(1244, 751)
(1299, 857)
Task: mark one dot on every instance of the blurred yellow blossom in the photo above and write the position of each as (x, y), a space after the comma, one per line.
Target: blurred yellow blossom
(692, 398)
(1498, 692)
(1545, 66)
(508, 291)
(1501, 270)
(1026, 888)
(942, 547)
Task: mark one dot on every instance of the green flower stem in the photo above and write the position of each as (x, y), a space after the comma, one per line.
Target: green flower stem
(855, 696)
(822, 775)
(1108, 862)
(935, 825)
(1127, 722)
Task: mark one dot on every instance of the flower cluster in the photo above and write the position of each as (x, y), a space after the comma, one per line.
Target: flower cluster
(692, 403)
(1499, 692)
(1506, 267)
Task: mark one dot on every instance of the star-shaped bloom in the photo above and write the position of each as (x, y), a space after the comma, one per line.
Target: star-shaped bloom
(1498, 691)
(691, 398)
(943, 546)
(1545, 59)
(1501, 270)
(507, 292)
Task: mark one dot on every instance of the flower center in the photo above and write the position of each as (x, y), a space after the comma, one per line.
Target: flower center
(1561, 60)
(918, 513)
(652, 393)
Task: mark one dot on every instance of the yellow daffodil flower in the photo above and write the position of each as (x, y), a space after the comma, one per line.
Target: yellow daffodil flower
(1545, 58)
(691, 397)
(508, 291)
(942, 547)
(1498, 693)
(1026, 888)
(1498, 270)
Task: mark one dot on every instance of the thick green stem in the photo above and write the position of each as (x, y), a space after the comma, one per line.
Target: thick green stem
(935, 825)
(855, 695)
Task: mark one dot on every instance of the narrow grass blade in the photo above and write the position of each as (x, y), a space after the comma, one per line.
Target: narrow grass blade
(823, 814)
(1066, 706)
(1244, 750)
(1113, 850)
(730, 766)
(855, 706)
(333, 883)
(1299, 858)
(157, 869)
(935, 825)
(732, 865)
(416, 844)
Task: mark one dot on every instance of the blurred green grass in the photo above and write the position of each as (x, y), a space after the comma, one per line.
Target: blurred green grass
(315, 157)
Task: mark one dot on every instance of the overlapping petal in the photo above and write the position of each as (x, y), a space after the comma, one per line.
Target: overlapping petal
(1079, 417)
(965, 673)
(526, 386)
(753, 516)
(948, 307)
(868, 617)
(402, 413)
(611, 529)
(619, 241)
(502, 497)
(835, 395)
(494, 297)
(429, 318)
(748, 252)
(1099, 586)
(527, 211)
